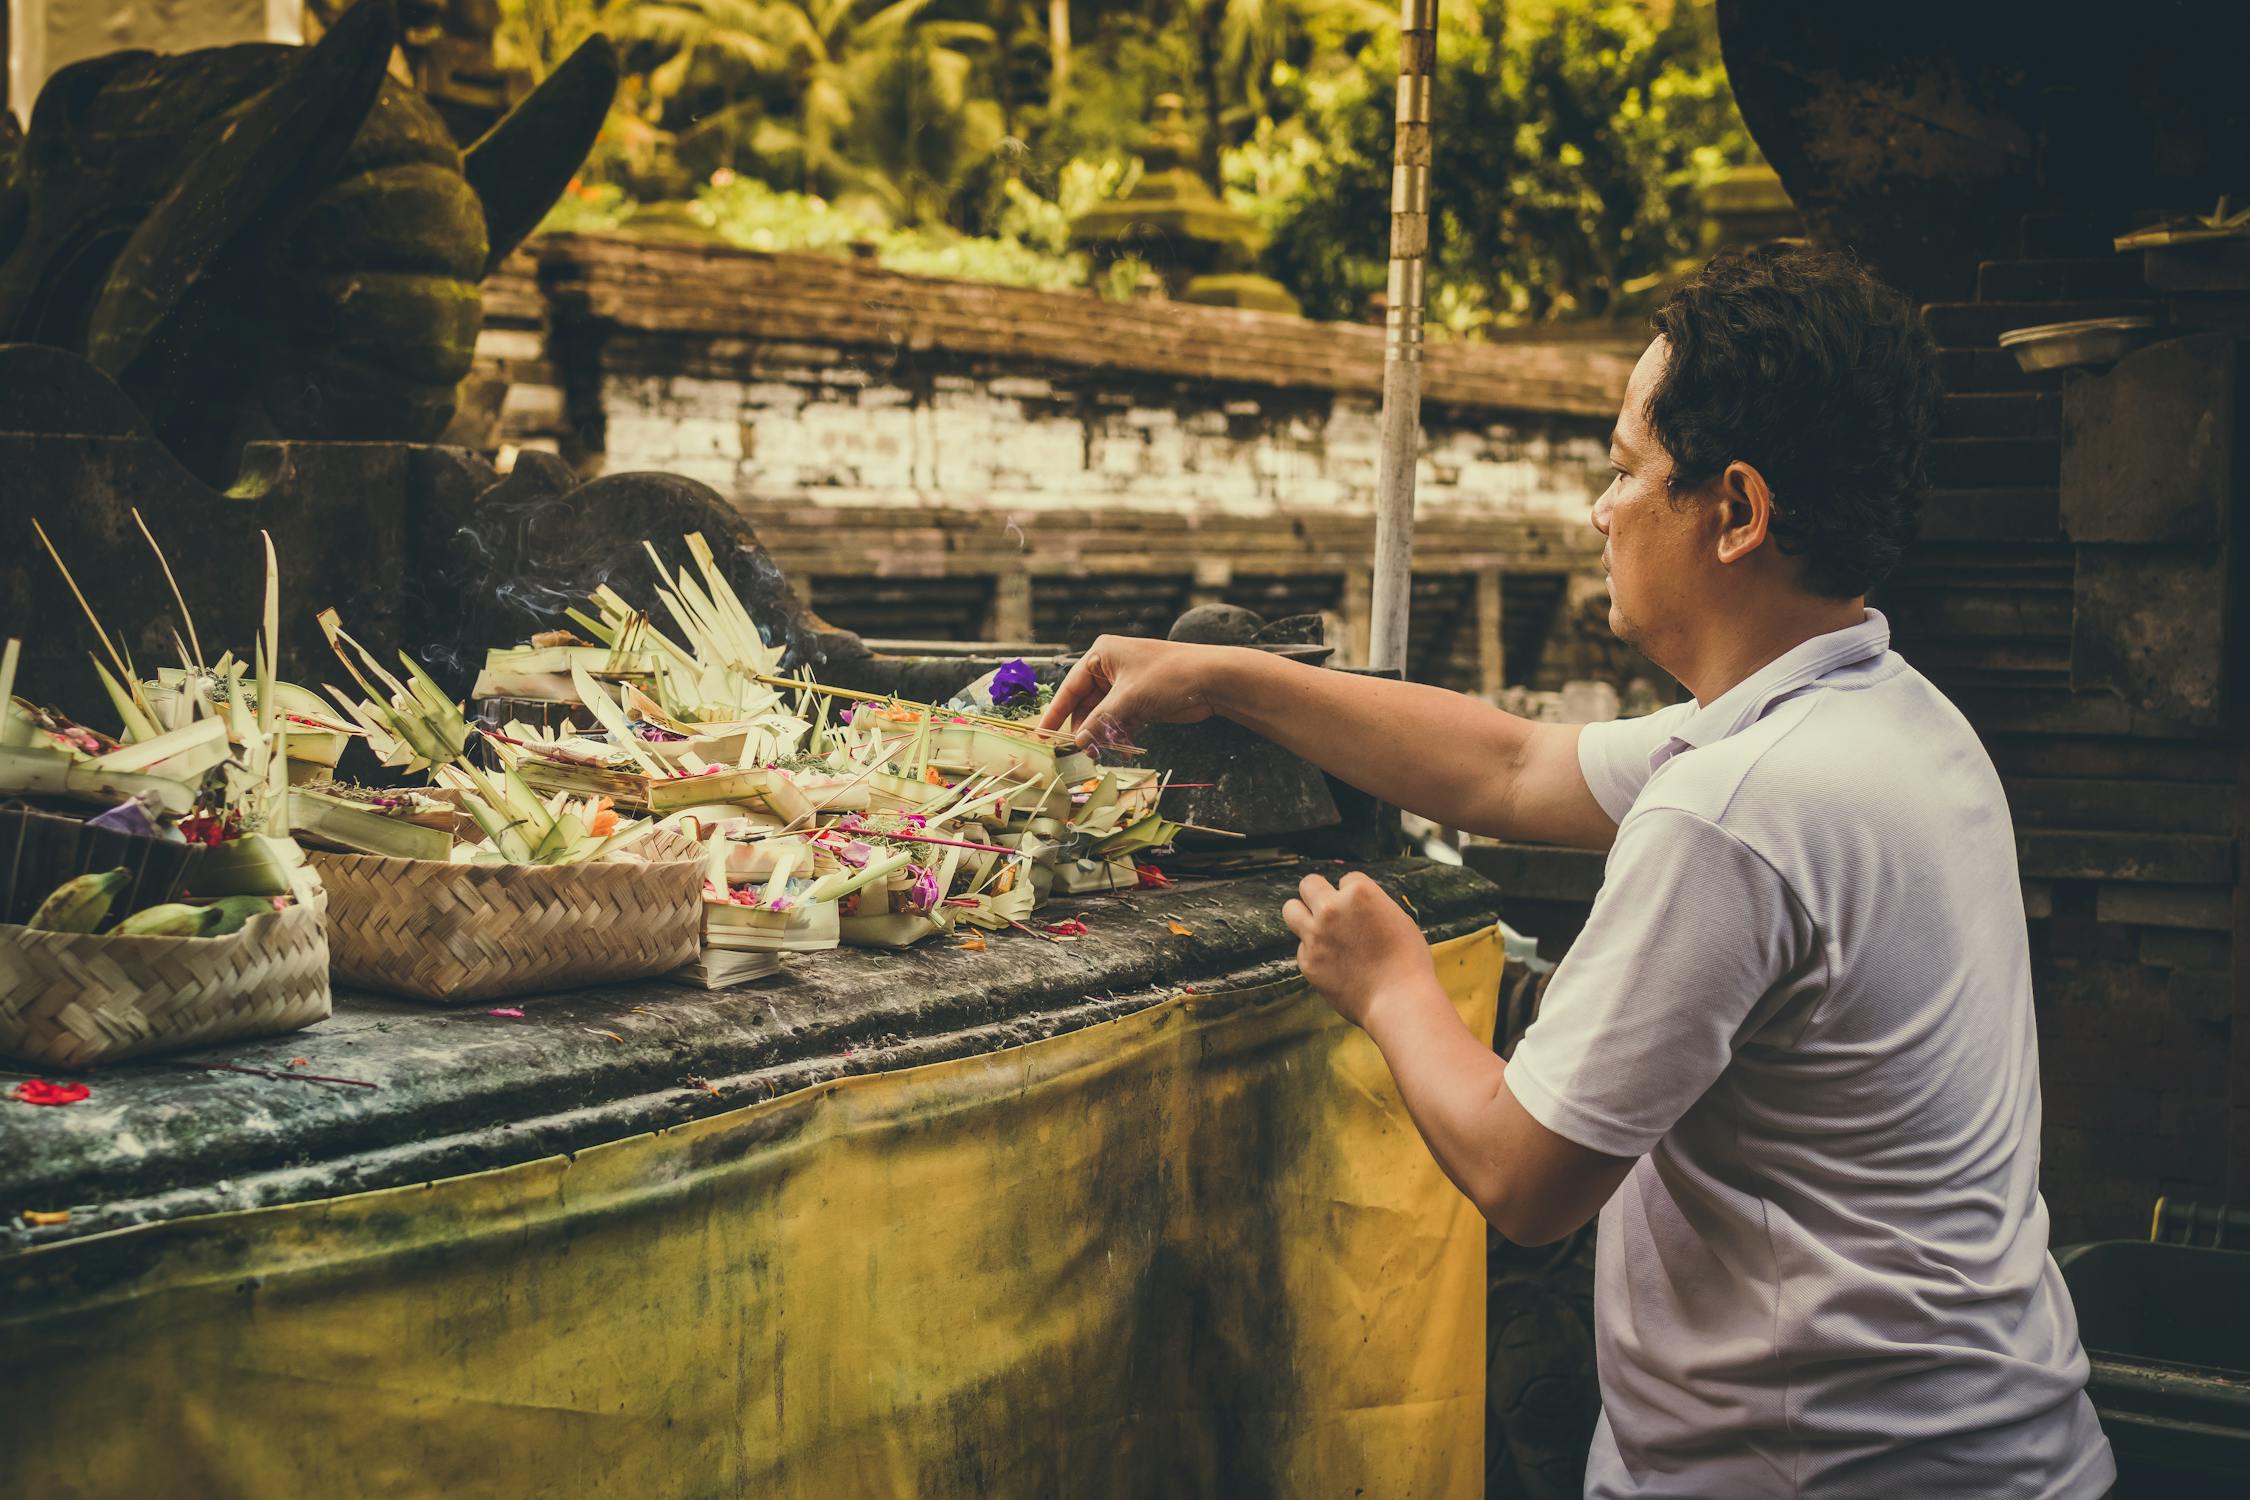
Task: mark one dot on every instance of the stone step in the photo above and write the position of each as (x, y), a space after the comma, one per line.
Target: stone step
(1991, 515)
(1973, 371)
(1995, 463)
(2060, 280)
(1978, 325)
(2070, 236)
(2024, 414)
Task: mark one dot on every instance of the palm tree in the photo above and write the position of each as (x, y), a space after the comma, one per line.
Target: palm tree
(808, 93)
(1058, 48)
(1239, 41)
(917, 131)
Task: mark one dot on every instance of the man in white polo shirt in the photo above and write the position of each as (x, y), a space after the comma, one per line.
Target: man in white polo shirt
(1790, 1061)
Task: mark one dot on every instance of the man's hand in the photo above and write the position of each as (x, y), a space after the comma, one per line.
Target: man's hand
(1368, 957)
(1355, 943)
(1123, 682)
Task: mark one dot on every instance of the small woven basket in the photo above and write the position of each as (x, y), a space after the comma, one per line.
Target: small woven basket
(72, 999)
(430, 930)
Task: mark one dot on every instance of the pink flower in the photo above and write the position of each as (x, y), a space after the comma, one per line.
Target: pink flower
(509, 1011)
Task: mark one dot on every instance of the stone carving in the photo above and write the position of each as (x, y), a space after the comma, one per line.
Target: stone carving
(447, 46)
(421, 547)
(275, 242)
(1205, 250)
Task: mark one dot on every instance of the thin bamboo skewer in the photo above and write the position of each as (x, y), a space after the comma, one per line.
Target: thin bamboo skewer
(989, 721)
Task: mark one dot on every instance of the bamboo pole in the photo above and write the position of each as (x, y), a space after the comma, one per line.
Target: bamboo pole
(1402, 336)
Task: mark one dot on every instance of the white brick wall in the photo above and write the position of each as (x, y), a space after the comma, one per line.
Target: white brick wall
(807, 426)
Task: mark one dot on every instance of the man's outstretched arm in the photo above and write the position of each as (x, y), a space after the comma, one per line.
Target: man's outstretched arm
(1370, 959)
(1448, 757)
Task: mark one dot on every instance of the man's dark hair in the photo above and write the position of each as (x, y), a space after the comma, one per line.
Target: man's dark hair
(1820, 377)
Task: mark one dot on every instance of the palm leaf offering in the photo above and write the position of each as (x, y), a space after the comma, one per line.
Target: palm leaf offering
(828, 815)
(825, 815)
(201, 757)
(413, 726)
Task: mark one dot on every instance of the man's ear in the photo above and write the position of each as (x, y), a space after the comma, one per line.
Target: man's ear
(1746, 511)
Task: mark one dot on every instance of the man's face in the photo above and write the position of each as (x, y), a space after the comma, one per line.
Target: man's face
(1654, 555)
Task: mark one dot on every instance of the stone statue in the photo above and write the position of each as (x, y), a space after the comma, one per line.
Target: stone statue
(264, 241)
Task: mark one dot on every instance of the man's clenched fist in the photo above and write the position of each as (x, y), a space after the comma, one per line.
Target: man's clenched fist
(1355, 943)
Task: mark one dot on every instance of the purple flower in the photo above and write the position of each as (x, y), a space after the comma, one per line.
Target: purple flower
(844, 716)
(129, 817)
(923, 895)
(1015, 680)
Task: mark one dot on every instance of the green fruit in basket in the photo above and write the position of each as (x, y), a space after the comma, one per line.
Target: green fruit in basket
(235, 913)
(173, 919)
(78, 905)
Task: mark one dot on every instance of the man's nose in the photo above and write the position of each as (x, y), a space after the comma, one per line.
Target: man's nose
(1601, 514)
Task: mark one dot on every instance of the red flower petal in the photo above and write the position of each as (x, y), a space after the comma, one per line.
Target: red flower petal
(40, 1091)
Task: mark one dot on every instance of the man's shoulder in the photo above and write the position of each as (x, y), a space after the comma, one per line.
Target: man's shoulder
(1818, 751)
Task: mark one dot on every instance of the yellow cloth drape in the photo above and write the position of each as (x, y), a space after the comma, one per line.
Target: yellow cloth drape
(1195, 1251)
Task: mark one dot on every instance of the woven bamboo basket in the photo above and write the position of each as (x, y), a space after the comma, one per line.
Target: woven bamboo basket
(40, 850)
(451, 933)
(70, 999)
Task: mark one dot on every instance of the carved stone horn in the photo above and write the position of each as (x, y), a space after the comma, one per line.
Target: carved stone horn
(286, 145)
(520, 166)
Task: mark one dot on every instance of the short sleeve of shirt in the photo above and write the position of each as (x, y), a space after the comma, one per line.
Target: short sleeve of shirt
(1692, 940)
(1613, 757)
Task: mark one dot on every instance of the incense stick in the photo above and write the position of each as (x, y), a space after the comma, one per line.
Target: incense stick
(989, 721)
(194, 653)
(124, 667)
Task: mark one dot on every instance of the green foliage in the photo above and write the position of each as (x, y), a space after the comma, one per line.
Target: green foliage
(959, 137)
(747, 212)
(589, 208)
(1570, 152)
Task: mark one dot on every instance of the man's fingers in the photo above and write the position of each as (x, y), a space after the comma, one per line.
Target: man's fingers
(1113, 723)
(1297, 918)
(1081, 691)
(1360, 888)
(1316, 892)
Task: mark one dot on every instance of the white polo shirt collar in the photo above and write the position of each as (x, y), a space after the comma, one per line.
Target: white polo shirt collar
(1800, 666)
